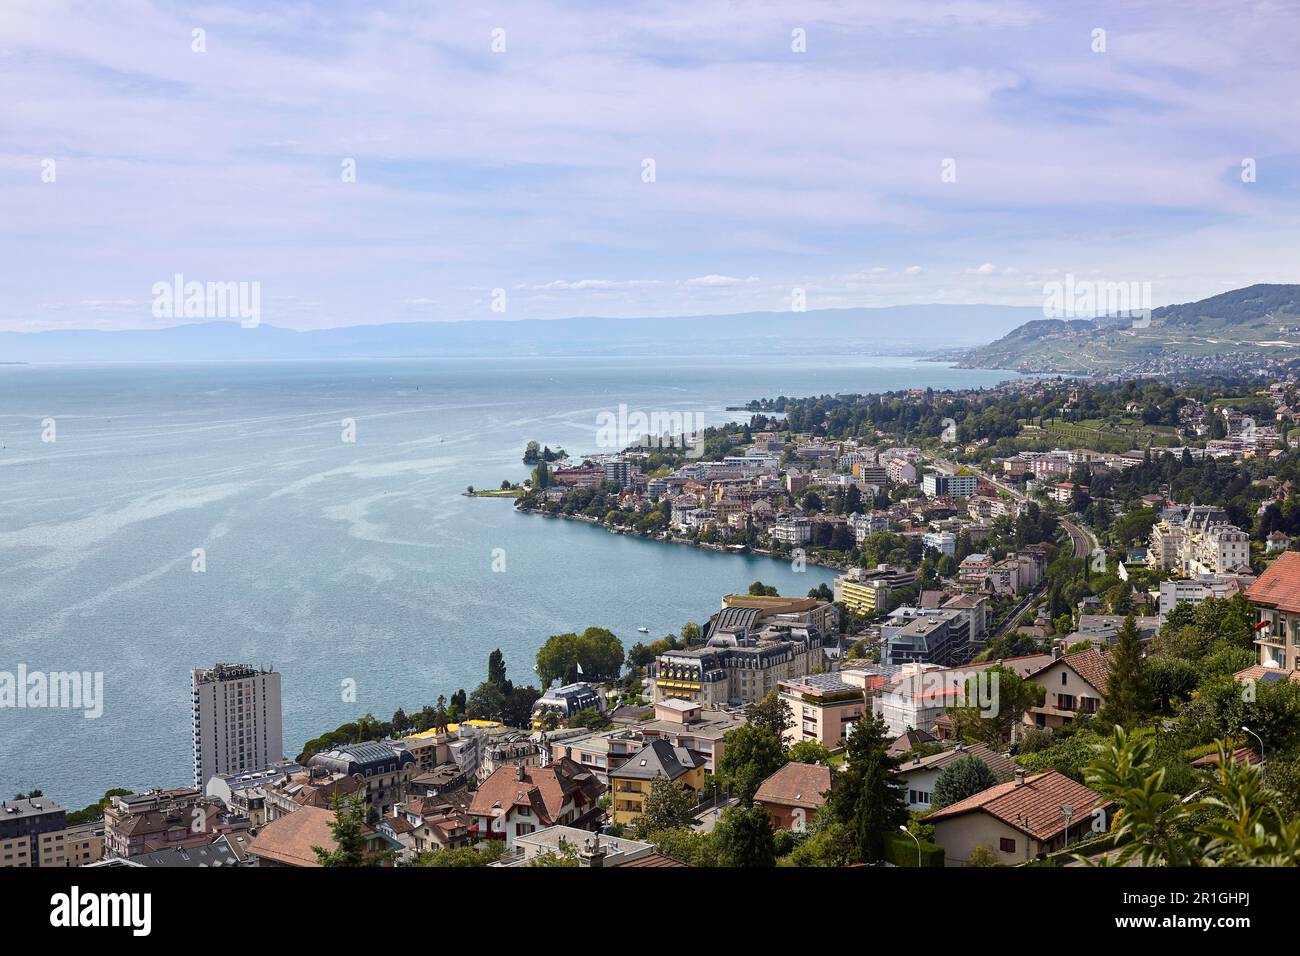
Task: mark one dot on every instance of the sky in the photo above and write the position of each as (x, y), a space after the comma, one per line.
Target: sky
(542, 160)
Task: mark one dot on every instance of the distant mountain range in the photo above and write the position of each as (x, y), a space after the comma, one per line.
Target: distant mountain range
(895, 329)
(1257, 325)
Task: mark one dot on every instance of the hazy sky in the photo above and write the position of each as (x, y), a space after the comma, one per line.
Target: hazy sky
(523, 170)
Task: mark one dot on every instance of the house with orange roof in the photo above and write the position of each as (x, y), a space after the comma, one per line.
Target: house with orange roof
(289, 841)
(1074, 685)
(794, 794)
(1020, 820)
(515, 801)
(1276, 597)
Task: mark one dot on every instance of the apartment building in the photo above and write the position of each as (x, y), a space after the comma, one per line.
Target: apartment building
(865, 590)
(564, 702)
(937, 484)
(945, 542)
(1195, 590)
(156, 820)
(684, 724)
(870, 522)
(822, 708)
(236, 722)
(34, 833)
(738, 664)
(793, 530)
(1276, 597)
(386, 769)
(631, 783)
(940, 637)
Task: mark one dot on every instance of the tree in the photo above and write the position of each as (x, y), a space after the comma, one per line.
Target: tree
(667, 806)
(771, 713)
(462, 856)
(752, 755)
(993, 715)
(486, 703)
(517, 710)
(596, 651)
(962, 778)
(497, 671)
(349, 830)
(1238, 821)
(1170, 680)
(744, 838)
(809, 751)
(1127, 694)
(759, 589)
(867, 797)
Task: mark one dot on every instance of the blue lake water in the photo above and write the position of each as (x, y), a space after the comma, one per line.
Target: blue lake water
(326, 559)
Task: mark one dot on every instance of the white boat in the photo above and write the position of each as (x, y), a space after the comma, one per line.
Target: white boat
(644, 630)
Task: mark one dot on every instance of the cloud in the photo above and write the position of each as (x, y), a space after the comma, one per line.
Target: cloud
(477, 170)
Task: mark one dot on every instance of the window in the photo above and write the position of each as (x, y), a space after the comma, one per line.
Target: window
(1065, 678)
(1007, 845)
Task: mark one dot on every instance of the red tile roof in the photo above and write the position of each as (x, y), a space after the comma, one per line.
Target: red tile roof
(1279, 585)
(1032, 807)
(1090, 664)
(796, 785)
(545, 790)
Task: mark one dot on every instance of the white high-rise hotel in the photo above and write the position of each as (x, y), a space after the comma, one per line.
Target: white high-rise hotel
(237, 724)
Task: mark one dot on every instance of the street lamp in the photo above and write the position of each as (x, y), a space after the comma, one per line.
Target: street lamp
(918, 842)
(1067, 811)
(1261, 742)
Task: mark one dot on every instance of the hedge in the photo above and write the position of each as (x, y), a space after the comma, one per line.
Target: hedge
(900, 850)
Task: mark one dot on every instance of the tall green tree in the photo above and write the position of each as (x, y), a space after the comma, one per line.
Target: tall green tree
(995, 705)
(867, 797)
(770, 713)
(1128, 698)
(752, 754)
(744, 838)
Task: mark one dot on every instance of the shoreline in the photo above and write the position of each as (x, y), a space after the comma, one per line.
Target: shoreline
(743, 550)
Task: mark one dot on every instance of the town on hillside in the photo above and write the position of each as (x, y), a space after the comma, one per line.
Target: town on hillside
(1052, 600)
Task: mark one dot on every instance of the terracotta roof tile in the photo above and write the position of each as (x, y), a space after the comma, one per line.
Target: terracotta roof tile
(1279, 585)
(796, 785)
(1033, 807)
(544, 789)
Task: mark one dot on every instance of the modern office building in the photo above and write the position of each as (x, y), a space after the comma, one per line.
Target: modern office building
(237, 722)
(936, 484)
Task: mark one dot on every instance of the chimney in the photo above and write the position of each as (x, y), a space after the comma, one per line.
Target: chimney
(592, 854)
(519, 772)
(1020, 778)
(1058, 651)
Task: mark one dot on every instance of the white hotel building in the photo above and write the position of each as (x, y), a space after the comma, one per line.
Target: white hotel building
(237, 722)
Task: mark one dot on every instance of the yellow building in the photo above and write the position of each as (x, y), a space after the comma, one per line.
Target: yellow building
(630, 784)
(863, 597)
